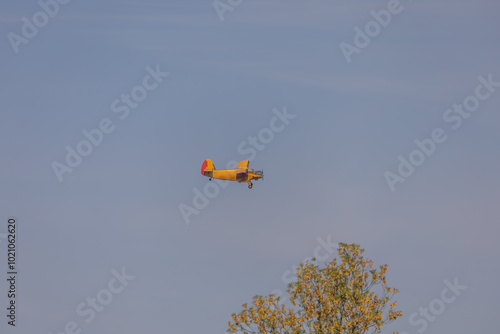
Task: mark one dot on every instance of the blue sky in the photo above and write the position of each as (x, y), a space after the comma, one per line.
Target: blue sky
(324, 172)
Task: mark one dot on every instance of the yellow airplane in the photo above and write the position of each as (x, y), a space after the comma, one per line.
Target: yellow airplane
(241, 174)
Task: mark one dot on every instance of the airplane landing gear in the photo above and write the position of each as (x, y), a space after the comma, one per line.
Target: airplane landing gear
(250, 185)
(210, 179)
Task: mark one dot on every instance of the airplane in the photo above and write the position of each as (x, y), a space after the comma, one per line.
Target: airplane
(241, 174)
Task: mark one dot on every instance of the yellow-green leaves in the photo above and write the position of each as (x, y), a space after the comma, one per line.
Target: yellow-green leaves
(345, 297)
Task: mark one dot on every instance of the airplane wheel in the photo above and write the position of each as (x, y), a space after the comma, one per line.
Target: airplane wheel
(249, 186)
(210, 179)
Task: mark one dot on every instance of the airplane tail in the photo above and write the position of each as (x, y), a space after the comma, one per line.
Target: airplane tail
(208, 165)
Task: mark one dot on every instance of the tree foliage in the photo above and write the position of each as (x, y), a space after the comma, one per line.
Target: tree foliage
(346, 296)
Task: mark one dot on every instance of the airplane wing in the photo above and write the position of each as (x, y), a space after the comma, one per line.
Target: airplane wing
(242, 176)
(242, 164)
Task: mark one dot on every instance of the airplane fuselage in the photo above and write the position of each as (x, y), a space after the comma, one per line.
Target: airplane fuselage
(241, 174)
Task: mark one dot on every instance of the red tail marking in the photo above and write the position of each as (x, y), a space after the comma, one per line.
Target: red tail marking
(203, 167)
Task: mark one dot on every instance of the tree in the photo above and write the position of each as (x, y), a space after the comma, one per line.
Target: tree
(346, 297)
